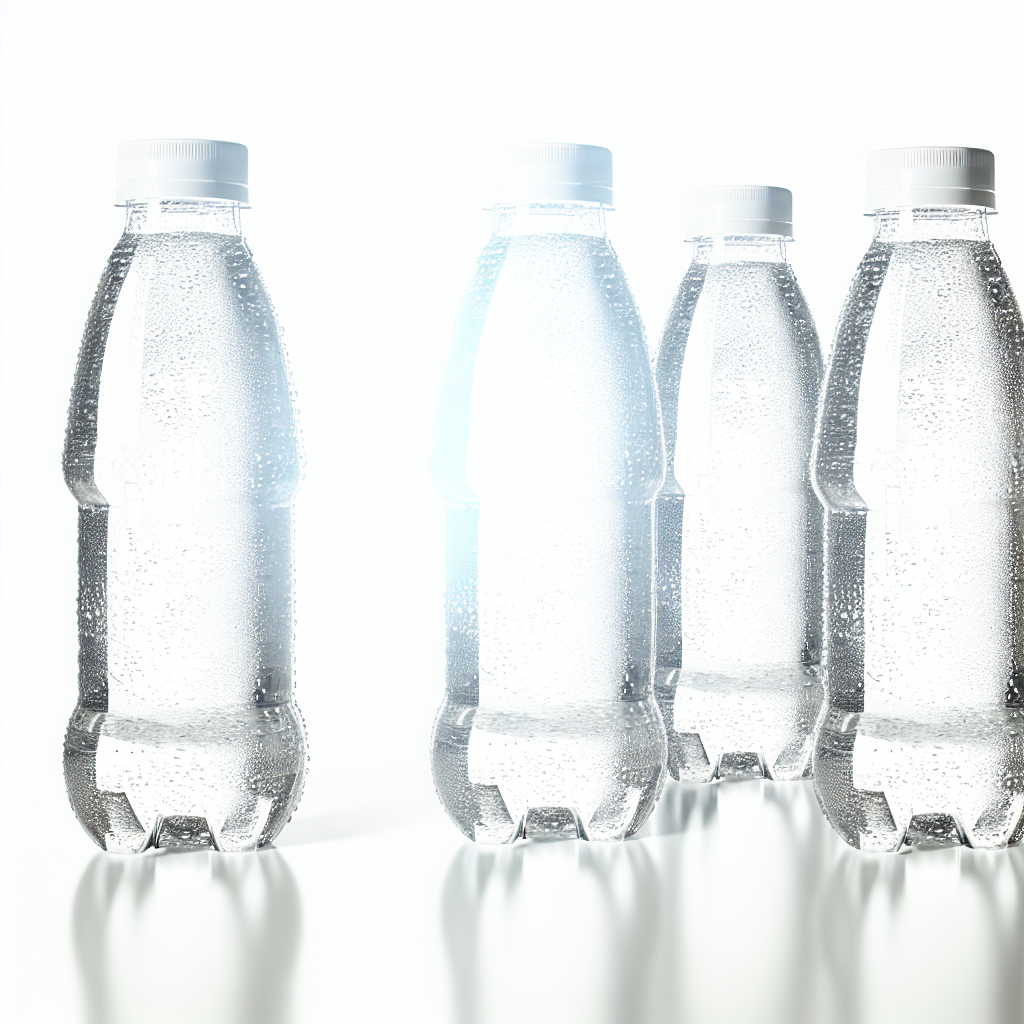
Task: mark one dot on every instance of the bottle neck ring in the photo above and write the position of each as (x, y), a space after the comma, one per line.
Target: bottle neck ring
(712, 249)
(156, 216)
(570, 218)
(927, 223)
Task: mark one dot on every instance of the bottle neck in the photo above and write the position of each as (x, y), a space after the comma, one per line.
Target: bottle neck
(153, 216)
(550, 219)
(928, 223)
(739, 249)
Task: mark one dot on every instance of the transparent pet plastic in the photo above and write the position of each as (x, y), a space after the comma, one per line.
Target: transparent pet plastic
(549, 456)
(739, 527)
(182, 450)
(918, 462)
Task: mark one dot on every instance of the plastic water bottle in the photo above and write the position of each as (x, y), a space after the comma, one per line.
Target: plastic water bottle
(182, 451)
(739, 528)
(549, 456)
(918, 459)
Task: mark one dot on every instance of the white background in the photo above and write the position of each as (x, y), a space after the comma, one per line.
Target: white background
(366, 124)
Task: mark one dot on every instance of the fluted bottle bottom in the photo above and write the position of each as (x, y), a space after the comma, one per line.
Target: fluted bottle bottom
(759, 724)
(936, 779)
(588, 772)
(227, 780)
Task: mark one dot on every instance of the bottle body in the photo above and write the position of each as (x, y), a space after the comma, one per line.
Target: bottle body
(182, 451)
(548, 453)
(739, 528)
(918, 457)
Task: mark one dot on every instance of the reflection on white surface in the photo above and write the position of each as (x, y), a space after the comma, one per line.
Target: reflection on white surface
(550, 931)
(769, 916)
(740, 867)
(187, 937)
(736, 903)
(937, 936)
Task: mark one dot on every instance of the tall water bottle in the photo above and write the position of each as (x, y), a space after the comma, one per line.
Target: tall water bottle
(182, 451)
(549, 455)
(918, 461)
(739, 528)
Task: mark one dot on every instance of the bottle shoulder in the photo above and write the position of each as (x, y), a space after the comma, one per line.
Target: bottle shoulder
(752, 311)
(575, 267)
(926, 380)
(548, 381)
(941, 306)
(739, 369)
(545, 297)
(182, 363)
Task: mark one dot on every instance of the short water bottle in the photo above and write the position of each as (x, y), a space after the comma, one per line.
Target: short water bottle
(918, 461)
(739, 527)
(548, 454)
(183, 453)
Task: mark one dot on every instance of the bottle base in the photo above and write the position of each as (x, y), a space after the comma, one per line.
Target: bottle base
(757, 726)
(889, 783)
(574, 773)
(226, 782)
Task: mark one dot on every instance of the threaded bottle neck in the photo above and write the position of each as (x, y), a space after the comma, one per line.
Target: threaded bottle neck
(921, 224)
(156, 216)
(572, 218)
(712, 249)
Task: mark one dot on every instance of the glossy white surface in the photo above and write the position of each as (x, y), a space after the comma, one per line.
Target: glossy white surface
(738, 903)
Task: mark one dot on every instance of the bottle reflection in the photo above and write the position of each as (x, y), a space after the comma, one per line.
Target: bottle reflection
(551, 931)
(767, 915)
(740, 866)
(934, 936)
(187, 936)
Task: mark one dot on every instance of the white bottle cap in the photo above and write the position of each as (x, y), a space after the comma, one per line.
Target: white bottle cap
(739, 210)
(552, 173)
(182, 169)
(931, 176)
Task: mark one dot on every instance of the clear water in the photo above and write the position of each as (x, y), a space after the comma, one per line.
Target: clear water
(918, 461)
(739, 528)
(549, 456)
(182, 451)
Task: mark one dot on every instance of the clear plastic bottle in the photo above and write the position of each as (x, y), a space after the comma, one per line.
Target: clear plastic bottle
(918, 459)
(548, 454)
(739, 528)
(182, 451)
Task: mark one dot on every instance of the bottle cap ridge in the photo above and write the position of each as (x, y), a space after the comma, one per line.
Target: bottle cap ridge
(739, 210)
(552, 173)
(930, 176)
(182, 169)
